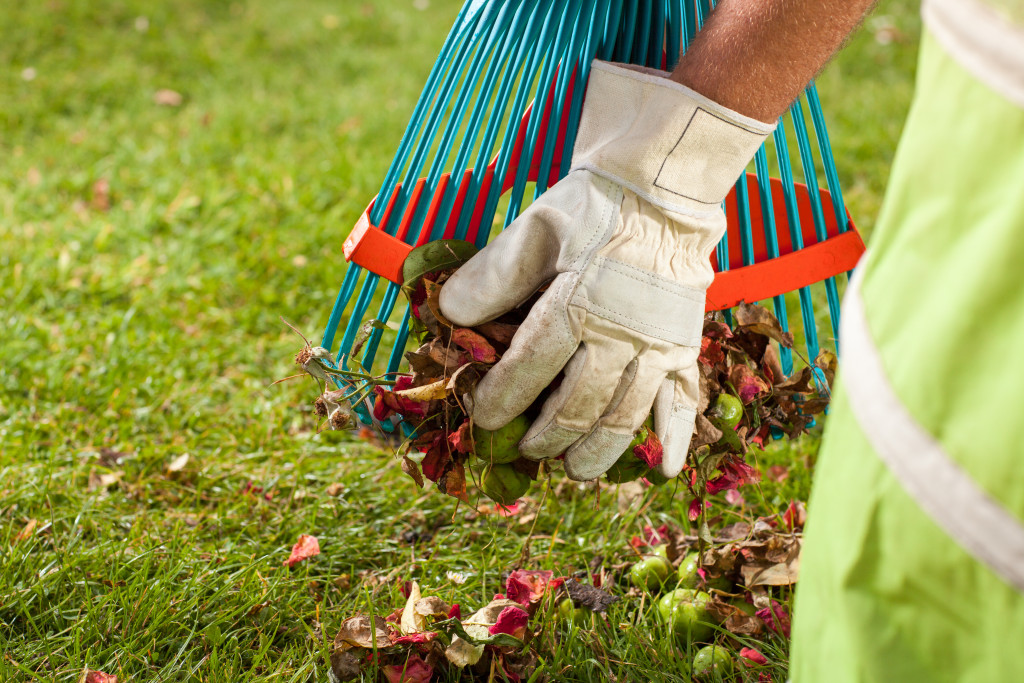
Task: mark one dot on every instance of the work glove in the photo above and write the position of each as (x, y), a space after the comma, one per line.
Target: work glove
(624, 241)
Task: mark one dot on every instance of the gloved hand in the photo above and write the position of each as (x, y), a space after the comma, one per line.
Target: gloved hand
(625, 239)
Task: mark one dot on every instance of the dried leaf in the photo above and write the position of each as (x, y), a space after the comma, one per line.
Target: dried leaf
(413, 470)
(178, 464)
(433, 302)
(412, 621)
(413, 670)
(499, 333)
(472, 634)
(99, 677)
(454, 481)
(424, 366)
(428, 392)
(307, 546)
(462, 438)
(364, 334)
(650, 451)
(760, 320)
(27, 531)
(345, 665)
(527, 587)
(584, 595)
(704, 433)
(762, 573)
(477, 347)
(753, 655)
(748, 385)
(511, 621)
(465, 379)
(361, 631)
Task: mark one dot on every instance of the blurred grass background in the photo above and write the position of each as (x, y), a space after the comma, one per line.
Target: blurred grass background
(146, 252)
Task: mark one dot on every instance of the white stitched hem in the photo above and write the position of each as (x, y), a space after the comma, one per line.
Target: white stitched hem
(940, 486)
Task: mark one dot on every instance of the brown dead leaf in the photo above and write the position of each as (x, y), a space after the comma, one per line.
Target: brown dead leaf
(345, 665)
(413, 470)
(335, 489)
(590, 597)
(362, 631)
(760, 320)
(704, 433)
(464, 380)
(27, 531)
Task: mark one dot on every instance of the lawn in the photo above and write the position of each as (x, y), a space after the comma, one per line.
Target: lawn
(175, 177)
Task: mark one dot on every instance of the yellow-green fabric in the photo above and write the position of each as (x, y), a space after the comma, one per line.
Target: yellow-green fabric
(884, 594)
(1013, 10)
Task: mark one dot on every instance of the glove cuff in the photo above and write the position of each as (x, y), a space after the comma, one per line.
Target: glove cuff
(669, 144)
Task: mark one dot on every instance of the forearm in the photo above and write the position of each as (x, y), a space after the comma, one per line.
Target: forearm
(756, 56)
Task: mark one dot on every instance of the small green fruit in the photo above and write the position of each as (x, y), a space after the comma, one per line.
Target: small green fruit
(684, 611)
(689, 577)
(504, 484)
(569, 612)
(649, 573)
(727, 412)
(712, 663)
(501, 446)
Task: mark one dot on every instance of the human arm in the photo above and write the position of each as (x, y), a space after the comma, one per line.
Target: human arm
(756, 56)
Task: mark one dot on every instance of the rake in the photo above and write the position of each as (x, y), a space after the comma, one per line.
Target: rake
(497, 120)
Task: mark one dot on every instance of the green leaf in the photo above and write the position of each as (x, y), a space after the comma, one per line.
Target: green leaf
(436, 255)
(453, 627)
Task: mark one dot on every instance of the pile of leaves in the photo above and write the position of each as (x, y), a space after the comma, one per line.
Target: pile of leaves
(427, 636)
(740, 374)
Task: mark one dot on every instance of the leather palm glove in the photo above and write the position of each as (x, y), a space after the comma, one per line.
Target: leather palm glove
(624, 240)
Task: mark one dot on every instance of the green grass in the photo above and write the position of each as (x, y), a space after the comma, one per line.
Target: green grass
(141, 323)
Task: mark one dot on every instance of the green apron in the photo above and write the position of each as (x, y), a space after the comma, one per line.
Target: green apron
(888, 589)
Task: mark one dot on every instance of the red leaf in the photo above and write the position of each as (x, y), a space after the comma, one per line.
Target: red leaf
(753, 655)
(415, 670)
(528, 586)
(694, 512)
(652, 536)
(735, 473)
(512, 621)
(455, 612)
(100, 677)
(414, 638)
(507, 510)
(388, 403)
(306, 547)
(462, 438)
(776, 618)
(437, 456)
(749, 385)
(795, 515)
(476, 345)
(650, 451)
(711, 352)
